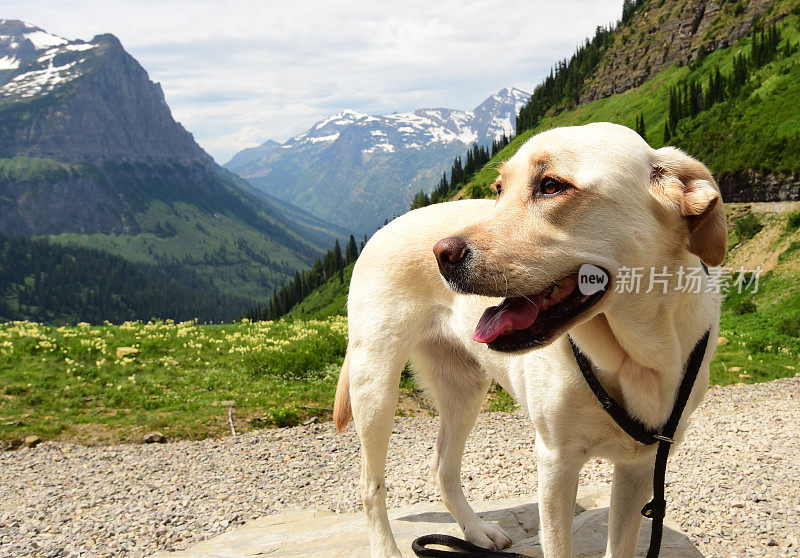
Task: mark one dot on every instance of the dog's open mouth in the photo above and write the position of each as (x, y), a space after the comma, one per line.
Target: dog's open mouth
(530, 321)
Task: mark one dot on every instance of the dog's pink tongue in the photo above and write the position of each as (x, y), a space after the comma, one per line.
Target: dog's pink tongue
(511, 314)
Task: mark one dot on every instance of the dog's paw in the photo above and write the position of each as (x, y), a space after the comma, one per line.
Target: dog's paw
(487, 535)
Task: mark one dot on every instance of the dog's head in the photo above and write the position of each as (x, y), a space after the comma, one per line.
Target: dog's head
(594, 194)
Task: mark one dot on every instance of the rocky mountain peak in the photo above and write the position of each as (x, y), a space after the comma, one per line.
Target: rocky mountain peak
(123, 113)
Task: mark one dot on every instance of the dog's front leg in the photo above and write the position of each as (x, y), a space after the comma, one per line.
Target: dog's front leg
(632, 486)
(558, 471)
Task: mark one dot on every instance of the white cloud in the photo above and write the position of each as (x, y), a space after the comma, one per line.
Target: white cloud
(243, 71)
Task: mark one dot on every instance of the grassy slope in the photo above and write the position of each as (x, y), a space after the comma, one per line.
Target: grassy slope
(763, 329)
(733, 135)
(198, 237)
(329, 299)
(69, 383)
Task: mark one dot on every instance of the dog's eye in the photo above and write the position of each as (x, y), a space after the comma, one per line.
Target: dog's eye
(497, 187)
(551, 187)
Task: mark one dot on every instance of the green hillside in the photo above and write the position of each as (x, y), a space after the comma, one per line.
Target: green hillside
(756, 128)
(46, 282)
(202, 219)
(760, 331)
(329, 299)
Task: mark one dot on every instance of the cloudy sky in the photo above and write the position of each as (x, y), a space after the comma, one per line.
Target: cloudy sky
(239, 72)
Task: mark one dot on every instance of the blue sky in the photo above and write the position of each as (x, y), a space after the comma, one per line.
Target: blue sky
(239, 72)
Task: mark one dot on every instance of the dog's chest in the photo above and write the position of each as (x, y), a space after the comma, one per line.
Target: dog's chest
(563, 409)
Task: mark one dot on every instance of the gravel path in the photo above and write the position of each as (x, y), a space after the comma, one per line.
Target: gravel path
(735, 481)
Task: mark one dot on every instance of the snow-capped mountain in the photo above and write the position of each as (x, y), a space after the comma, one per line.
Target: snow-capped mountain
(91, 101)
(357, 169)
(89, 149)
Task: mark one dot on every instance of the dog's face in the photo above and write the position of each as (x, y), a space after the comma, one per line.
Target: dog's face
(594, 194)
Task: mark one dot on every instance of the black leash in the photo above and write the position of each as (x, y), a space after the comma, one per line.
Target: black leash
(657, 507)
(469, 550)
(654, 509)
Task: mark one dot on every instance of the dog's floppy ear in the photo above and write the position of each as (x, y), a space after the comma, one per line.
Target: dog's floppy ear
(685, 184)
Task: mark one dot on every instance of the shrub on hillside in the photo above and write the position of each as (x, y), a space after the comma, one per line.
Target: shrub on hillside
(793, 221)
(747, 227)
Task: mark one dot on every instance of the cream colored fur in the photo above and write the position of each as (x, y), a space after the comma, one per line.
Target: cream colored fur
(632, 206)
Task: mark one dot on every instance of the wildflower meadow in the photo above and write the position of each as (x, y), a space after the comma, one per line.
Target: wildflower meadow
(116, 382)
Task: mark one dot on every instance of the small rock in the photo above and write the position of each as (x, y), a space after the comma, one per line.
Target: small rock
(734, 369)
(310, 421)
(32, 441)
(155, 438)
(723, 341)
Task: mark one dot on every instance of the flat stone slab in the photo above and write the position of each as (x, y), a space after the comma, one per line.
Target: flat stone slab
(323, 533)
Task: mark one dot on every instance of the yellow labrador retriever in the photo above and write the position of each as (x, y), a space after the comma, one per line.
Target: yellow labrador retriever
(478, 290)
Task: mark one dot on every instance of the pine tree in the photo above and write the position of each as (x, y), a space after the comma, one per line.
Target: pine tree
(421, 199)
(674, 110)
(338, 260)
(640, 129)
(351, 254)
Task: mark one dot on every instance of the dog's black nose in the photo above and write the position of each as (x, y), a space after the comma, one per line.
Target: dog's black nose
(450, 253)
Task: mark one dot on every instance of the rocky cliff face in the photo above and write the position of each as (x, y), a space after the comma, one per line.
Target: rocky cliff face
(666, 32)
(90, 101)
(755, 186)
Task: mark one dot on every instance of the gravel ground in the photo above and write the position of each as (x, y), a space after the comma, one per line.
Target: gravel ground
(735, 481)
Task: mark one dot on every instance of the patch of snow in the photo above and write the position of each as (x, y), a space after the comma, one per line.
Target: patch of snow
(341, 117)
(500, 126)
(406, 130)
(332, 137)
(9, 63)
(41, 40)
(80, 47)
(377, 133)
(384, 147)
(467, 136)
(38, 81)
(48, 54)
